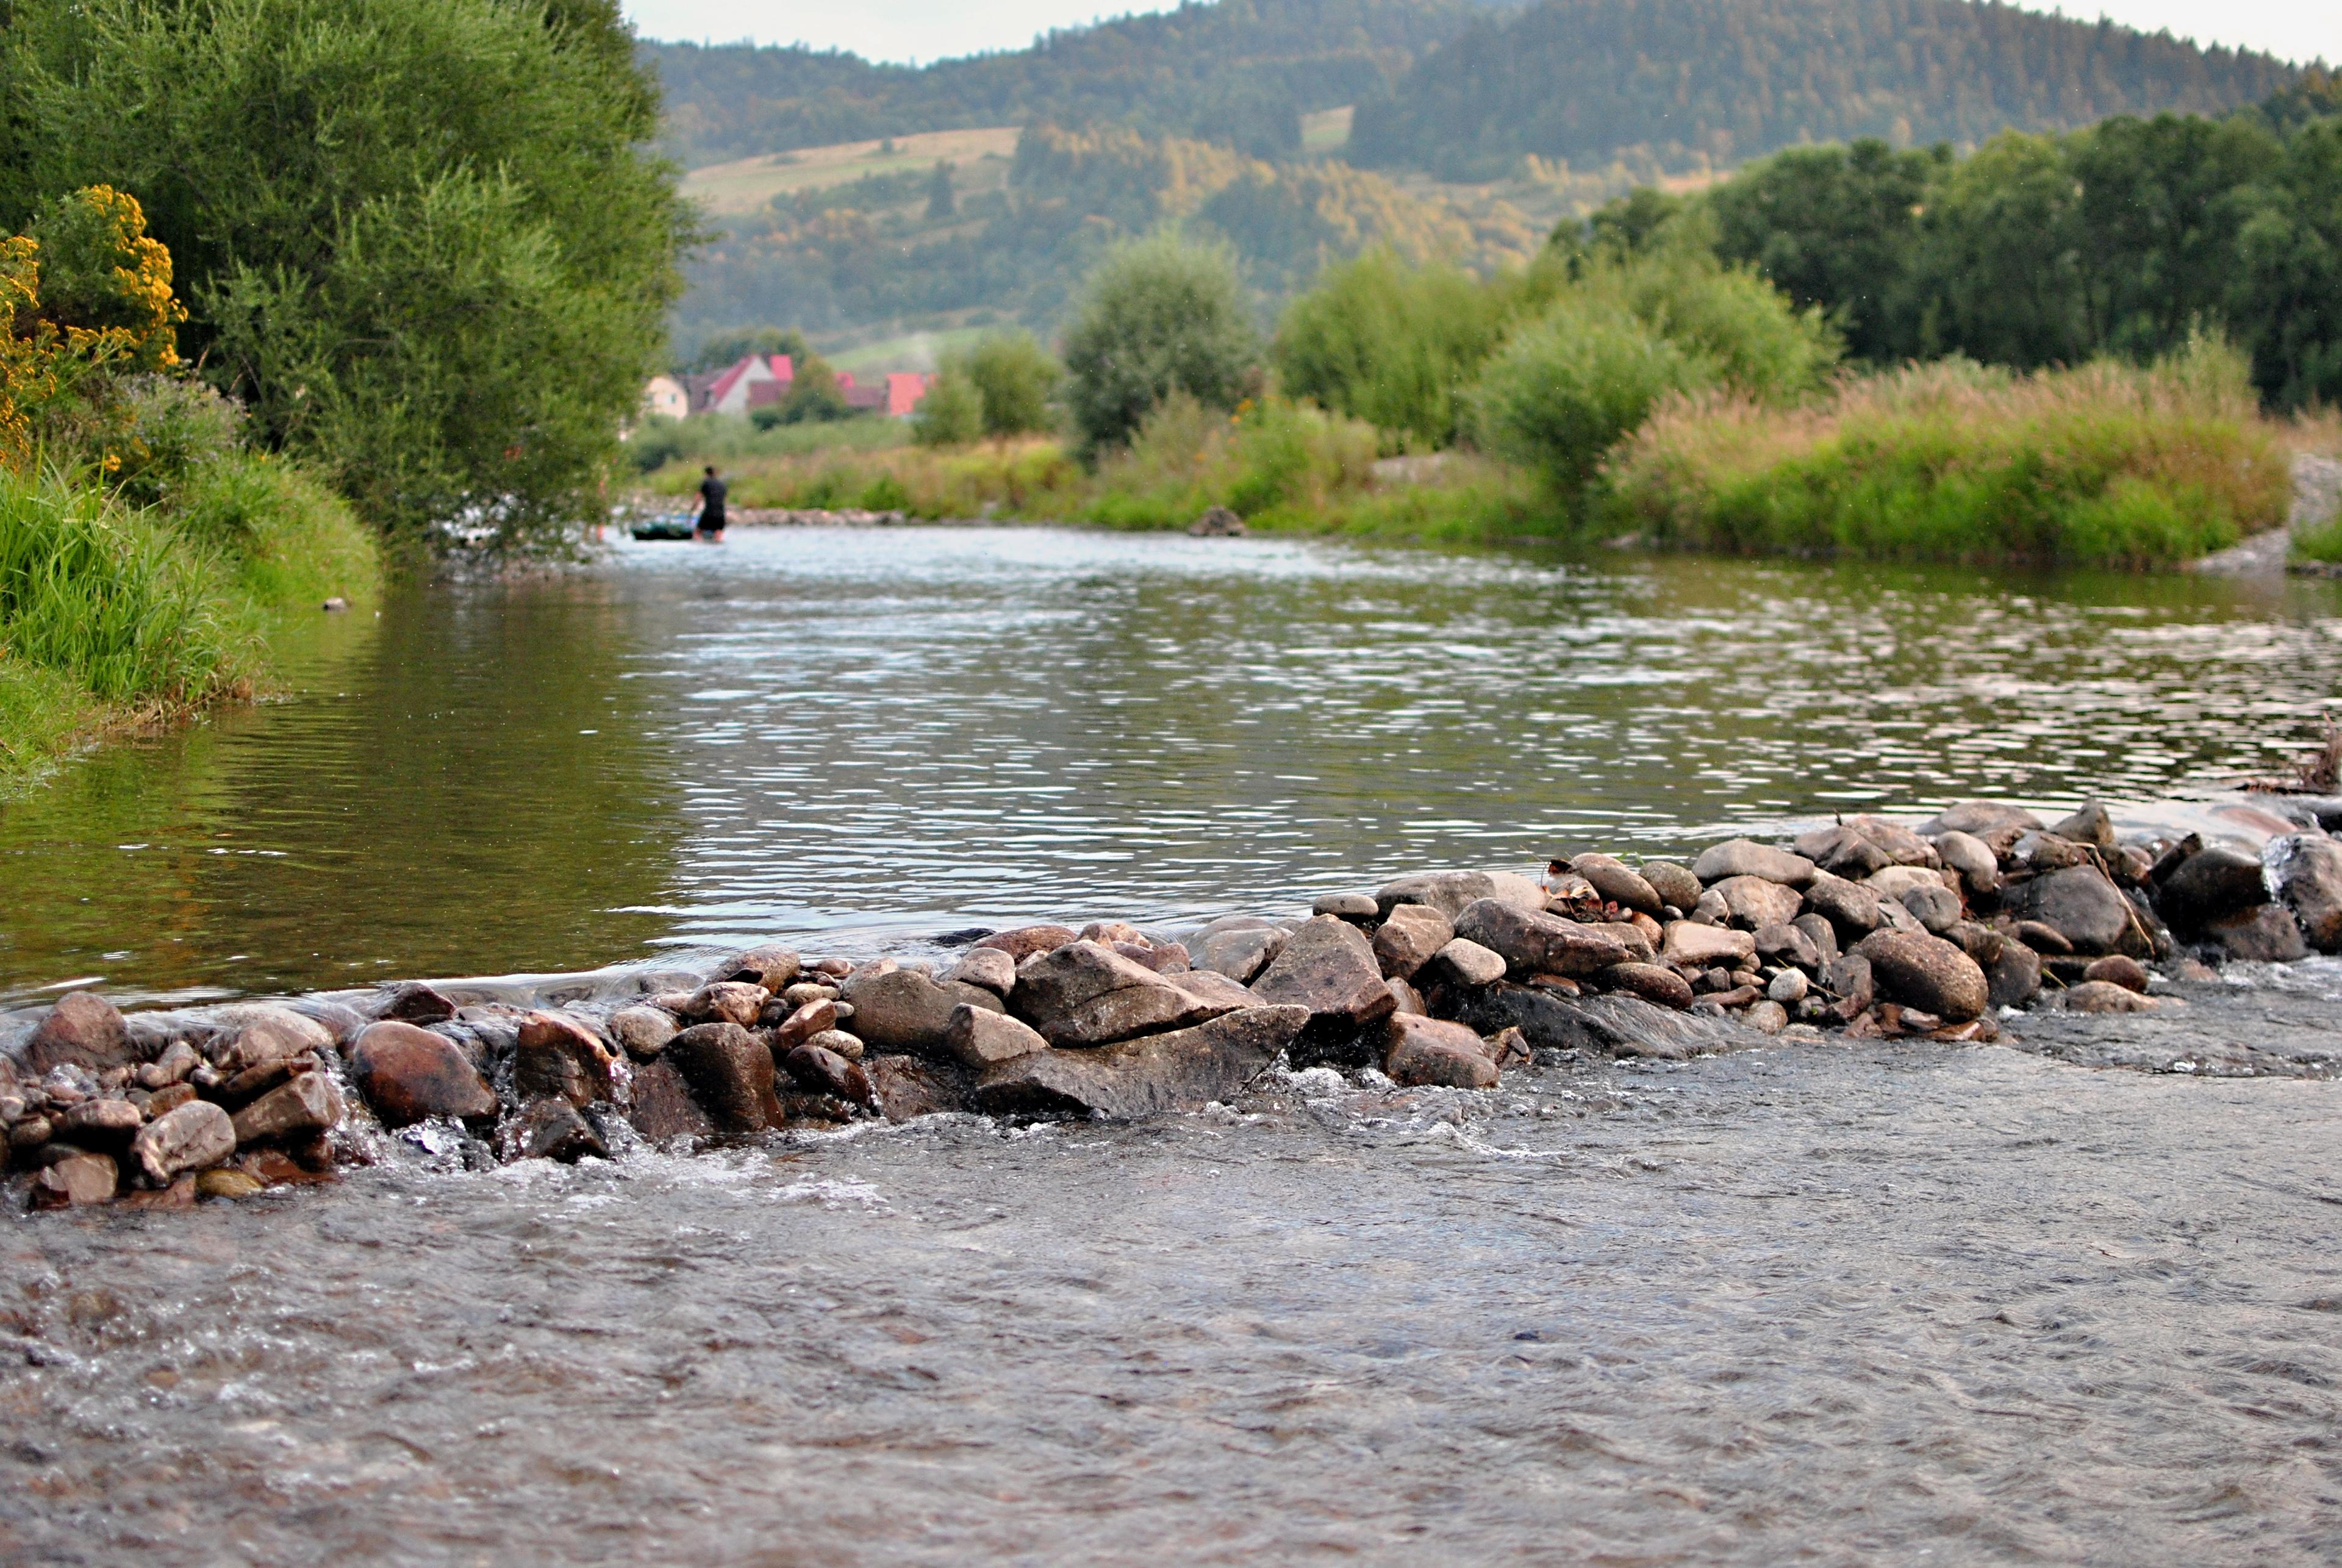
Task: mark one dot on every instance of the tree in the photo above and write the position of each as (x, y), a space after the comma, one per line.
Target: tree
(2286, 299)
(814, 396)
(941, 203)
(721, 350)
(1159, 315)
(1999, 261)
(1014, 378)
(950, 414)
(1392, 345)
(424, 240)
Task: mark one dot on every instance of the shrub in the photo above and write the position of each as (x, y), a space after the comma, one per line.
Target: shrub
(1158, 316)
(1015, 378)
(1565, 388)
(104, 283)
(1392, 345)
(951, 413)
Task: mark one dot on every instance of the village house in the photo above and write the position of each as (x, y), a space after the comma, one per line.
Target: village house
(664, 395)
(756, 381)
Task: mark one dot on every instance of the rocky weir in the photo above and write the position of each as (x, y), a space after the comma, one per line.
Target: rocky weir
(1981, 918)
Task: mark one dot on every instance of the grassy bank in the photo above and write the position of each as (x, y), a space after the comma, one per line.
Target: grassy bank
(2106, 464)
(113, 613)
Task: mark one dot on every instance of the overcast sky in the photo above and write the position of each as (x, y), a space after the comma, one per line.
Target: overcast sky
(924, 30)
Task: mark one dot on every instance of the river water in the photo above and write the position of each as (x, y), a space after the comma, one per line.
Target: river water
(1816, 1303)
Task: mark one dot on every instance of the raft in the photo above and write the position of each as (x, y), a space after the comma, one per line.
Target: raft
(658, 528)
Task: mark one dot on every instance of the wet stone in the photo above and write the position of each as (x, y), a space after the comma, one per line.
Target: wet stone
(188, 1139)
(1410, 938)
(904, 1088)
(1179, 1070)
(2266, 935)
(643, 1031)
(303, 1106)
(726, 1001)
(2119, 969)
(824, 1072)
(1347, 906)
(553, 1130)
(771, 967)
(413, 1001)
(1430, 1051)
(558, 1057)
(1606, 1024)
(1328, 967)
(2306, 871)
(229, 1184)
(2210, 886)
(989, 967)
(661, 1107)
(82, 1030)
(2012, 977)
(2104, 996)
(1673, 883)
(76, 1182)
(2080, 905)
(849, 1046)
(729, 1073)
(1745, 857)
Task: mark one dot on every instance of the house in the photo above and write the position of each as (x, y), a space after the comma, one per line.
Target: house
(663, 396)
(755, 381)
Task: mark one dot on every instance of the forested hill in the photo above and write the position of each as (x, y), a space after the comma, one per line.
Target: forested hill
(1721, 81)
(1240, 73)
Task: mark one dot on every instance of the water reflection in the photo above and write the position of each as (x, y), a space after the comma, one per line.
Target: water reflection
(808, 729)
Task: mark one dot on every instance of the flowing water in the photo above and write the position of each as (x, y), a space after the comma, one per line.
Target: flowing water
(1818, 1302)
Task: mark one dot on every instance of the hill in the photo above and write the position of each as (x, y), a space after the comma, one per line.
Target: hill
(1239, 73)
(1710, 83)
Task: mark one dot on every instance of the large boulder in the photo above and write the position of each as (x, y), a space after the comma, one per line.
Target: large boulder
(2080, 903)
(730, 1074)
(1913, 969)
(1181, 1070)
(1747, 857)
(1850, 907)
(1609, 1024)
(409, 1074)
(559, 1058)
(1238, 946)
(661, 1107)
(2306, 870)
(1532, 942)
(1452, 892)
(76, 1180)
(2266, 934)
(907, 1010)
(1756, 901)
(1433, 1052)
(1971, 858)
(1329, 967)
(904, 1088)
(1410, 938)
(260, 1033)
(1085, 994)
(2210, 886)
(82, 1030)
(196, 1137)
(977, 1038)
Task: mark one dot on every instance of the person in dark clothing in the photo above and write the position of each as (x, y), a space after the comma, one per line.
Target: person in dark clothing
(711, 508)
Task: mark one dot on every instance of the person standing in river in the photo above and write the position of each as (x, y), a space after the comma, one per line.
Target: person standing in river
(711, 508)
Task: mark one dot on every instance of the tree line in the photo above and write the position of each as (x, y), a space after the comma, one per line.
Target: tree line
(1716, 82)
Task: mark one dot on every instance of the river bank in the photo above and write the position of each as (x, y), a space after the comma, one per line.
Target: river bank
(1864, 929)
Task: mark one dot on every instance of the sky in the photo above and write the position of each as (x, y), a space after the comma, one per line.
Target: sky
(919, 31)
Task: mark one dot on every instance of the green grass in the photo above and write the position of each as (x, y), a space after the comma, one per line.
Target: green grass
(112, 614)
(2107, 465)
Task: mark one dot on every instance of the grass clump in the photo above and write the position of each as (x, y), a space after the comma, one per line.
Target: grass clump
(2105, 464)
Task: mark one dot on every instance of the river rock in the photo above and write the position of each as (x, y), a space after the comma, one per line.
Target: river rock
(413, 1001)
(726, 1001)
(1745, 857)
(1617, 884)
(2119, 969)
(2210, 886)
(76, 1182)
(553, 1130)
(1409, 938)
(1969, 856)
(303, 1106)
(1422, 1052)
(1608, 1023)
(1851, 980)
(2012, 977)
(1673, 883)
(1982, 819)
(1756, 902)
(1163, 957)
(1842, 852)
(815, 1017)
(904, 1088)
(1348, 906)
(1937, 906)
(1028, 940)
(2306, 870)
(2089, 825)
(560, 1058)
(1788, 988)
(190, 1138)
(1083, 994)
(1532, 942)
(824, 1072)
(661, 1107)
(1242, 950)
(1328, 967)
(770, 967)
(1900, 843)
(82, 1030)
(729, 1073)
(989, 967)
(1452, 892)
(904, 1010)
(2104, 996)
(978, 1037)
(644, 1032)
(1407, 999)
(259, 1033)
(1895, 881)
(1653, 982)
(98, 1124)
(1980, 942)
(1850, 907)
(2081, 904)
(1787, 944)
(1465, 963)
(2266, 935)
(1822, 935)
(1927, 972)
(1181, 1070)
(1688, 942)
(408, 1074)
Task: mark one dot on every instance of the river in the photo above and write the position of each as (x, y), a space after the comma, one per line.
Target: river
(1827, 1302)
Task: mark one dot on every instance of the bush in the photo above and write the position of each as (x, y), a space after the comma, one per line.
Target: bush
(1158, 316)
(1567, 387)
(1392, 345)
(951, 413)
(103, 279)
(2107, 465)
(1015, 378)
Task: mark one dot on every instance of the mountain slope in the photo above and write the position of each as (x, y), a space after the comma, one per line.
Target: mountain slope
(1714, 82)
(1239, 73)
